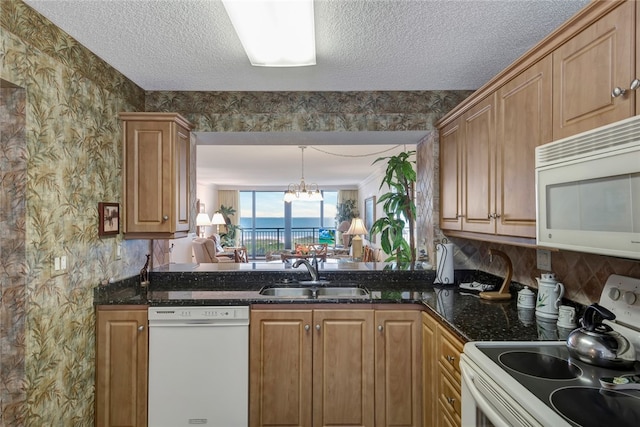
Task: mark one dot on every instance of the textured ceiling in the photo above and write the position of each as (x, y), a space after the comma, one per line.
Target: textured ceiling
(362, 45)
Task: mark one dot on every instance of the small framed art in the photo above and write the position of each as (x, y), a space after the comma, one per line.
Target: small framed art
(109, 219)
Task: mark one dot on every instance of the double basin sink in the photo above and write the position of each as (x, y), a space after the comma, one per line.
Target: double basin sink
(314, 290)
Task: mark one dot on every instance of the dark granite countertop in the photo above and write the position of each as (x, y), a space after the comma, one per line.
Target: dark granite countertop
(469, 317)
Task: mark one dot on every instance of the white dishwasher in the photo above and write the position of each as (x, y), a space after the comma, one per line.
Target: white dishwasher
(198, 366)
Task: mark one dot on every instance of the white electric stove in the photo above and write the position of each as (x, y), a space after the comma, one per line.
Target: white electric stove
(537, 383)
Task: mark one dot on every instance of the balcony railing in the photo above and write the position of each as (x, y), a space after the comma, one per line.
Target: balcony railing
(260, 241)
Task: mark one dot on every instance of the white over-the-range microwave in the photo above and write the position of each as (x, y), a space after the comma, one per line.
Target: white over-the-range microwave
(588, 191)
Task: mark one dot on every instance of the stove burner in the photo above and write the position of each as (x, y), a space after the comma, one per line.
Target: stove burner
(588, 406)
(540, 365)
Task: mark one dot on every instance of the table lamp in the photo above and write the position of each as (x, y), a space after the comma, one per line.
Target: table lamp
(357, 228)
(218, 220)
(202, 220)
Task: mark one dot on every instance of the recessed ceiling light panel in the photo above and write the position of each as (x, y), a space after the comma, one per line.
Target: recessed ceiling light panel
(275, 33)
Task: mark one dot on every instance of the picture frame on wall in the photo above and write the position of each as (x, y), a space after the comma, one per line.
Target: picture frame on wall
(370, 215)
(108, 219)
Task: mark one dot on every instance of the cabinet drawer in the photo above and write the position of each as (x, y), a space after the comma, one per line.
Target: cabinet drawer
(446, 418)
(449, 349)
(449, 395)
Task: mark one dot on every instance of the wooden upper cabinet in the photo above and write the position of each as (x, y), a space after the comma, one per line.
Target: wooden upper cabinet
(478, 203)
(524, 121)
(451, 138)
(588, 67)
(156, 166)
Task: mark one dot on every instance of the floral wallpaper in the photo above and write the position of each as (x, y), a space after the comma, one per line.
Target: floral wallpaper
(307, 111)
(61, 155)
(13, 168)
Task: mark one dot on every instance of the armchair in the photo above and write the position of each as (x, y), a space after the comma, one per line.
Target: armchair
(205, 252)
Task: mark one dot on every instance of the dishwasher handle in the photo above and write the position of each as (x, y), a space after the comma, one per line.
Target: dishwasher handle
(198, 323)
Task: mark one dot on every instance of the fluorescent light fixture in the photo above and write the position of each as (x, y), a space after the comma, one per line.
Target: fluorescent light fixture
(275, 33)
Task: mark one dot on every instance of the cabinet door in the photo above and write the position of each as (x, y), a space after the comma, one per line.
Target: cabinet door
(121, 367)
(450, 176)
(343, 381)
(157, 175)
(524, 121)
(588, 67)
(182, 171)
(478, 166)
(280, 368)
(429, 370)
(398, 359)
(148, 185)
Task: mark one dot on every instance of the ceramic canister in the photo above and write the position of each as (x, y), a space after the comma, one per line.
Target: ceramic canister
(550, 293)
(526, 298)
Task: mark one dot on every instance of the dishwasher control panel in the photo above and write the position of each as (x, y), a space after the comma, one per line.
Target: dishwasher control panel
(199, 313)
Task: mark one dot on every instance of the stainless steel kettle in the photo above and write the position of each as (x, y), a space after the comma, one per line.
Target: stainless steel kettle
(597, 344)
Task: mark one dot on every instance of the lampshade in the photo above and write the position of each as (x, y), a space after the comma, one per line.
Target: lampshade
(218, 219)
(203, 219)
(357, 227)
(275, 33)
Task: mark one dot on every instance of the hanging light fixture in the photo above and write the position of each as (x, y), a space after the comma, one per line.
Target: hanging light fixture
(302, 191)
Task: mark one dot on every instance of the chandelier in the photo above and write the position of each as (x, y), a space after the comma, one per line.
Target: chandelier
(302, 191)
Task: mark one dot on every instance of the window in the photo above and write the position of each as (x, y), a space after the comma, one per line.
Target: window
(268, 224)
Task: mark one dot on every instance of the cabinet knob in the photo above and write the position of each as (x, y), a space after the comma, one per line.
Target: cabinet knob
(635, 84)
(165, 217)
(617, 91)
(317, 327)
(141, 328)
(307, 327)
(450, 359)
(451, 400)
(380, 328)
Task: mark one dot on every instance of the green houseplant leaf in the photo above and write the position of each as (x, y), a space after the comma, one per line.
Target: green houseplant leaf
(399, 206)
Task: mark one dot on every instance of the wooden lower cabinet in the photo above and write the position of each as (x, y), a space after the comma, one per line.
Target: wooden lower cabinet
(441, 374)
(429, 370)
(398, 358)
(121, 366)
(328, 367)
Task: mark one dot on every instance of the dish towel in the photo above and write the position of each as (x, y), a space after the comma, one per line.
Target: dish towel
(475, 286)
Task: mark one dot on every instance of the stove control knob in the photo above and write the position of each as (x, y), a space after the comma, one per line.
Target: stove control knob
(614, 294)
(629, 298)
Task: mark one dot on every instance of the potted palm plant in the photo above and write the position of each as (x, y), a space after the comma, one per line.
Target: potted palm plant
(228, 238)
(399, 207)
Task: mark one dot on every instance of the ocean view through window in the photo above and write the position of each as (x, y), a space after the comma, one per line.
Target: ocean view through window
(269, 225)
